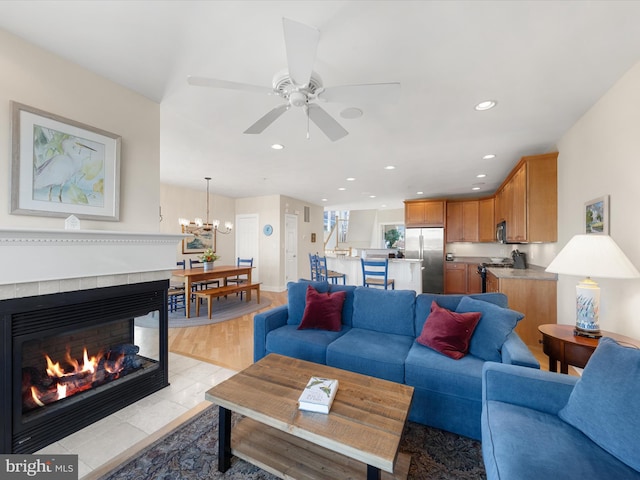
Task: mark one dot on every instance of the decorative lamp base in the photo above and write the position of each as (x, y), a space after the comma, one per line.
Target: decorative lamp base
(588, 309)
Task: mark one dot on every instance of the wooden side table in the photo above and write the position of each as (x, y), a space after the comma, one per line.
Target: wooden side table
(561, 345)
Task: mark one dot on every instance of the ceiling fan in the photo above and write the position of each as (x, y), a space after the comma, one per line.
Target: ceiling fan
(300, 86)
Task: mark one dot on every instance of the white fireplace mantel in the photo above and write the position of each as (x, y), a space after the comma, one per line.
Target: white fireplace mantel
(37, 261)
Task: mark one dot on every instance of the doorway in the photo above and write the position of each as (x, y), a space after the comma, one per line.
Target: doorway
(247, 238)
(290, 248)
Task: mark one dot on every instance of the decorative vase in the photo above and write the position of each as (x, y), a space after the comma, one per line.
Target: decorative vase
(208, 266)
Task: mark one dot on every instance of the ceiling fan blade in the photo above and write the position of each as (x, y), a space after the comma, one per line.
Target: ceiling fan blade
(301, 42)
(213, 82)
(367, 93)
(268, 119)
(326, 123)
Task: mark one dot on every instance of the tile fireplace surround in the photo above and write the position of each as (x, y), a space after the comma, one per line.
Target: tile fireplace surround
(39, 262)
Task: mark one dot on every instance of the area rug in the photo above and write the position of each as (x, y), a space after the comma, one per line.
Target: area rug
(190, 453)
(223, 310)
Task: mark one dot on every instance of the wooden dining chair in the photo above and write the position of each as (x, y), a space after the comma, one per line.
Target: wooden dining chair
(375, 273)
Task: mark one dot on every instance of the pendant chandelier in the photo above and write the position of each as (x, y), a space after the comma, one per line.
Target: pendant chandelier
(206, 226)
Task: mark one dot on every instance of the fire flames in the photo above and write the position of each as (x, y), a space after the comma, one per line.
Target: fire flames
(76, 376)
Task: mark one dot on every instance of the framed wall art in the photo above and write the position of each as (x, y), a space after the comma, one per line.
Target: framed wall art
(203, 238)
(596, 213)
(61, 167)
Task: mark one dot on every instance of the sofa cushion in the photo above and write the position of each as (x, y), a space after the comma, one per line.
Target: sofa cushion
(426, 368)
(604, 403)
(386, 311)
(448, 332)
(371, 353)
(297, 298)
(526, 444)
(323, 310)
(310, 345)
(494, 327)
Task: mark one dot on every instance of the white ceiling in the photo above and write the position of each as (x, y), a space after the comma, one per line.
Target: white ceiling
(545, 62)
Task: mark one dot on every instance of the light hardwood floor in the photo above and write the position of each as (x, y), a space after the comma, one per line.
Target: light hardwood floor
(227, 344)
(230, 344)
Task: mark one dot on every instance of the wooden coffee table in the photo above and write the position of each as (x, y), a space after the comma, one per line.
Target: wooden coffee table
(365, 423)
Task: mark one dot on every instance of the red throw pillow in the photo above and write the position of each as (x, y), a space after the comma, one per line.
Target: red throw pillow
(323, 310)
(448, 332)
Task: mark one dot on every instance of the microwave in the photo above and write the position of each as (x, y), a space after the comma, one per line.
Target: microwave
(501, 232)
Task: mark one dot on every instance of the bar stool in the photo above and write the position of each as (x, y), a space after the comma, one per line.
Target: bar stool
(329, 275)
(375, 274)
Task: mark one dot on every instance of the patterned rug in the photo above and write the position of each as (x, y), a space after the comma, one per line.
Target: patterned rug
(190, 453)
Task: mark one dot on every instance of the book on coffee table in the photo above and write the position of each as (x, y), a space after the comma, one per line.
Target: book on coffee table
(318, 395)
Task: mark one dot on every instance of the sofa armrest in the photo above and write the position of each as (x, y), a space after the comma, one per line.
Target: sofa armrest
(527, 387)
(263, 323)
(515, 352)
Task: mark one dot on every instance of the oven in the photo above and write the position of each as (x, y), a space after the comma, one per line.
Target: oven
(482, 271)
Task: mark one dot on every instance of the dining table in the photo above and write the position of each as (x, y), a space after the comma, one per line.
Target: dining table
(224, 272)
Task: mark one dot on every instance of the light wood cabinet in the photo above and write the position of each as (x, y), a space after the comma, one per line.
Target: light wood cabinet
(462, 221)
(486, 220)
(461, 278)
(455, 278)
(424, 213)
(493, 286)
(528, 200)
(536, 299)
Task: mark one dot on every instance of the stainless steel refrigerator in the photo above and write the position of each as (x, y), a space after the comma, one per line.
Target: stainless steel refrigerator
(427, 245)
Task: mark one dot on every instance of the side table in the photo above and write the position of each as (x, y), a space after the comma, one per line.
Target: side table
(561, 345)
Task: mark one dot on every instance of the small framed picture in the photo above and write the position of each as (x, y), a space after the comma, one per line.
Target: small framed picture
(62, 167)
(203, 238)
(596, 213)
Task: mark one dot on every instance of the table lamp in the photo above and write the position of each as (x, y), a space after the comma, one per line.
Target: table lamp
(591, 255)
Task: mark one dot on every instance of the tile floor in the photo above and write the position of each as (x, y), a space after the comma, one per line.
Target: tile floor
(102, 441)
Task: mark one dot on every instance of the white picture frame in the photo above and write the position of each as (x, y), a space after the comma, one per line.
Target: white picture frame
(61, 167)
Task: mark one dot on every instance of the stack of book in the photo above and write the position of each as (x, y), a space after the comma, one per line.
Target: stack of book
(318, 395)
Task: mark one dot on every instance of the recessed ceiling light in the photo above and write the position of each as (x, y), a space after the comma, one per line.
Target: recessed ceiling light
(389, 167)
(383, 206)
(277, 146)
(475, 188)
(325, 200)
(341, 189)
(481, 175)
(419, 193)
(489, 156)
(351, 179)
(372, 196)
(351, 112)
(486, 105)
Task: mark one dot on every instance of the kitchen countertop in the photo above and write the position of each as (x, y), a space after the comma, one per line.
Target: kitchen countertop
(532, 272)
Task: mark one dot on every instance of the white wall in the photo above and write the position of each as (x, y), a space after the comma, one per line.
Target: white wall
(177, 202)
(600, 155)
(42, 80)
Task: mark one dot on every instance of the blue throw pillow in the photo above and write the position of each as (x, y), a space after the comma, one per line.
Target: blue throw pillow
(604, 403)
(495, 325)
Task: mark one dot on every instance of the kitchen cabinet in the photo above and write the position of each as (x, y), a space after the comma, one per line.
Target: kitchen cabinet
(462, 221)
(486, 220)
(461, 278)
(536, 299)
(424, 213)
(528, 200)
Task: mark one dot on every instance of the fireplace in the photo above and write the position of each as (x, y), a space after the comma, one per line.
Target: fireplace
(72, 358)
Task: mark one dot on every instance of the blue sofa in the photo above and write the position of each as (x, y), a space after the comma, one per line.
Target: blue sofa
(378, 338)
(538, 424)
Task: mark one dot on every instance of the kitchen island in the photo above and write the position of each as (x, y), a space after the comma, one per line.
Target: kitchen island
(406, 273)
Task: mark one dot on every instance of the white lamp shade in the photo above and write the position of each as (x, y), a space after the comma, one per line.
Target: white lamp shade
(593, 255)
